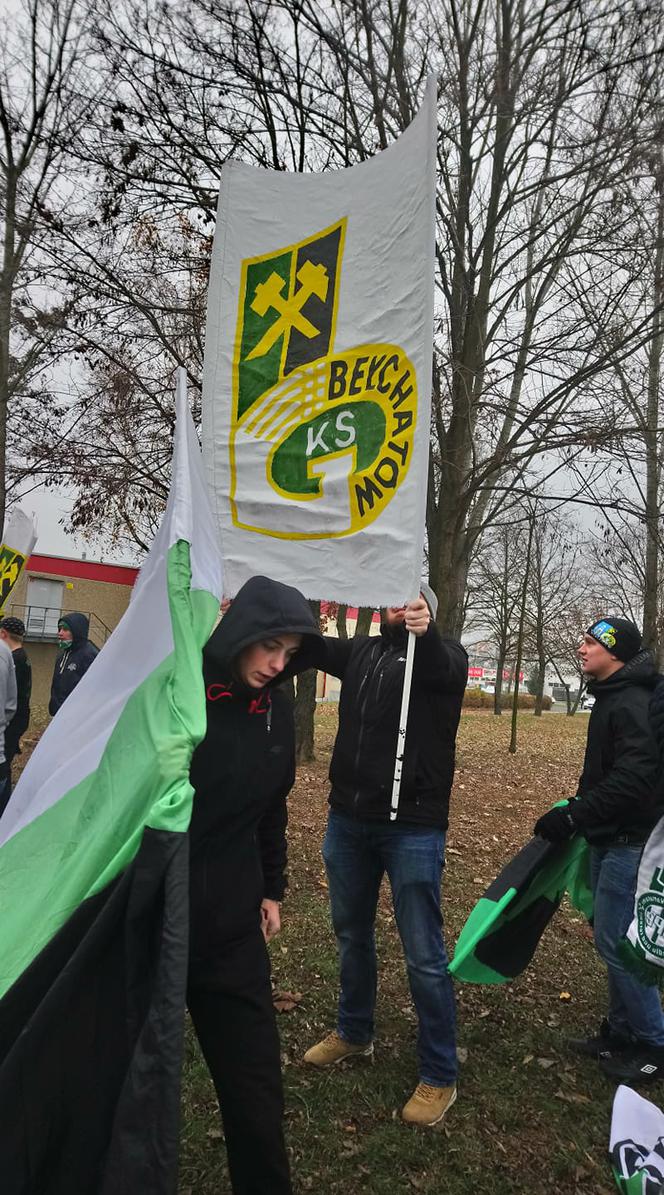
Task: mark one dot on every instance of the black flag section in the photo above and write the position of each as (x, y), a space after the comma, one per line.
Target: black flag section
(91, 1040)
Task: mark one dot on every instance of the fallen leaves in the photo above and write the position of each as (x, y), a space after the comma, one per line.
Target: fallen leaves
(286, 1001)
(572, 1097)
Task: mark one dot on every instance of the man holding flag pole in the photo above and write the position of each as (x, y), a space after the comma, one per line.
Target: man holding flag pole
(364, 841)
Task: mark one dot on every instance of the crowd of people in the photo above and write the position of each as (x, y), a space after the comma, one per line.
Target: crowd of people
(242, 788)
(75, 656)
(241, 774)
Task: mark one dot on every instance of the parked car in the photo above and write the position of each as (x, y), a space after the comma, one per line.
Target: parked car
(587, 701)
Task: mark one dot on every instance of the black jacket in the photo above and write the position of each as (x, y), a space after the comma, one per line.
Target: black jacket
(243, 770)
(371, 669)
(21, 720)
(72, 662)
(618, 799)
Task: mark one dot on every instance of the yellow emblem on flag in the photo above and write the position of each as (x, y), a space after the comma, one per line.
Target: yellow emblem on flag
(11, 564)
(320, 440)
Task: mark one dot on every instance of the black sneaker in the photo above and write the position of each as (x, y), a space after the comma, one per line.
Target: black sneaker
(604, 1042)
(644, 1064)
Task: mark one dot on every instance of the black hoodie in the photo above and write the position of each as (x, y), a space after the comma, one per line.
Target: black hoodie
(243, 769)
(72, 662)
(618, 786)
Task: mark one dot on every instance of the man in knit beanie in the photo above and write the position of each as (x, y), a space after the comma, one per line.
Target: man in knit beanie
(615, 808)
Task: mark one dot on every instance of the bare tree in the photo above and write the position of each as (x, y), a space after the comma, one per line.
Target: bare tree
(535, 128)
(541, 110)
(495, 586)
(44, 102)
(557, 587)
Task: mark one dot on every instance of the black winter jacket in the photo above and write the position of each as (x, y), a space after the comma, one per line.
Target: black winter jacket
(243, 770)
(371, 669)
(656, 711)
(21, 720)
(72, 662)
(618, 800)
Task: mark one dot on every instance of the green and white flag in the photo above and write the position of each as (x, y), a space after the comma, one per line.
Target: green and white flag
(94, 887)
(636, 1144)
(643, 946)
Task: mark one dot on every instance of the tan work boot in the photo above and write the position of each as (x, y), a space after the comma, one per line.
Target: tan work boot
(428, 1105)
(333, 1049)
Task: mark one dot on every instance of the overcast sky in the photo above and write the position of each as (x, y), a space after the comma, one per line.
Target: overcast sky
(51, 509)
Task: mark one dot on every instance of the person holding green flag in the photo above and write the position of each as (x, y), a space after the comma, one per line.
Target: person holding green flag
(615, 808)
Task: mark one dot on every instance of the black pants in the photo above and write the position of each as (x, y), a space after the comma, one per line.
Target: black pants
(5, 785)
(230, 1002)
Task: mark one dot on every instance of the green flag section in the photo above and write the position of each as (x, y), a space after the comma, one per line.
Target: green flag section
(636, 1145)
(502, 932)
(642, 948)
(94, 885)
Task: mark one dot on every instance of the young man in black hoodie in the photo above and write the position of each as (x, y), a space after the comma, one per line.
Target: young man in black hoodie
(616, 807)
(76, 655)
(242, 773)
(362, 843)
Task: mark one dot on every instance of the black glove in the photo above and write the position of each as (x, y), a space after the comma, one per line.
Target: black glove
(557, 825)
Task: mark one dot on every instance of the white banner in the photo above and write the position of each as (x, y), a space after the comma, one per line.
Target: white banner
(317, 378)
(18, 539)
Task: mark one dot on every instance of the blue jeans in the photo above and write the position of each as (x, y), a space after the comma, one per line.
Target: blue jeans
(356, 855)
(634, 1009)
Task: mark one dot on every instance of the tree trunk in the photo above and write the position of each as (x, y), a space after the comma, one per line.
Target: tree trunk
(304, 710)
(305, 707)
(498, 687)
(451, 577)
(541, 679)
(519, 645)
(342, 625)
(651, 595)
(364, 618)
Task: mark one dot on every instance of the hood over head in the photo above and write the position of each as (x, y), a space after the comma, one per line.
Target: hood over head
(78, 624)
(430, 598)
(261, 609)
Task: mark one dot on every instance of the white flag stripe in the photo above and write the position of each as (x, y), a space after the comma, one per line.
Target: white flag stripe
(20, 532)
(73, 744)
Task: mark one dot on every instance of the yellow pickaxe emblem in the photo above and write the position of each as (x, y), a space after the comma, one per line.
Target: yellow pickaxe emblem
(313, 280)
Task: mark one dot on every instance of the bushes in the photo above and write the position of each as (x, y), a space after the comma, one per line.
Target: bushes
(475, 699)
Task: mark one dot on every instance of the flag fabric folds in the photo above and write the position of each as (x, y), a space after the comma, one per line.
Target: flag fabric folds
(317, 378)
(642, 948)
(636, 1144)
(94, 885)
(503, 931)
(18, 539)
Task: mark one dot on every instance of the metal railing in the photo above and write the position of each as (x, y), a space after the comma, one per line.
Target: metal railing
(41, 623)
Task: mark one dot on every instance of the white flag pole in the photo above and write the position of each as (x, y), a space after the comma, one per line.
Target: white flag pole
(403, 722)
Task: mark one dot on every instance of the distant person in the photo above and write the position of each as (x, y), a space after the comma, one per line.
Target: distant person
(615, 808)
(12, 632)
(362, 844)
(7, 710)
(76, 656)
